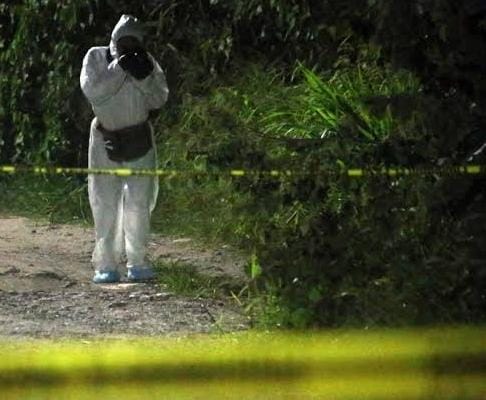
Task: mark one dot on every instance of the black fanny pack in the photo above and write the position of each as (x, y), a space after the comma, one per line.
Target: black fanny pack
(128, 143)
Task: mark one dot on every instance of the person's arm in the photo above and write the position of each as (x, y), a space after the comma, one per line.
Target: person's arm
(98, 82)
(154, 87)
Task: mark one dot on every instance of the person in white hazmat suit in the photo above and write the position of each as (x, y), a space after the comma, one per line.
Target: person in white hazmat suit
(124, 84)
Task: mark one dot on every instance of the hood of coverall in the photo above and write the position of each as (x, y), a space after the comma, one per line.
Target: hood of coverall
(128, 25)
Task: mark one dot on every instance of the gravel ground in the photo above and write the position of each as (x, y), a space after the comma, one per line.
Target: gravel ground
(46, 289)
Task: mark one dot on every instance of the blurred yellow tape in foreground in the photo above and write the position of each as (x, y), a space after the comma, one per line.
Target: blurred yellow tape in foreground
(425, 364)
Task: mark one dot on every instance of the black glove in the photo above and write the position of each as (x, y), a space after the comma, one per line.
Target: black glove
(137, 63)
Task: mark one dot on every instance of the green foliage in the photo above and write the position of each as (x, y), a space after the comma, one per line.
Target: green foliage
(335, 251)
(445, 47)
(37, 76)
(320, 108)
(58, 199)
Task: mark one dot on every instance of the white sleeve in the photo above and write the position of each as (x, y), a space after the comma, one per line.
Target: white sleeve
(99, 82)
(154, 87)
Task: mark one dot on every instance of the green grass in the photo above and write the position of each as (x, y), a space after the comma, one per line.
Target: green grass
(202, 208)
(59, 199)
(321, 105)
(185, 280)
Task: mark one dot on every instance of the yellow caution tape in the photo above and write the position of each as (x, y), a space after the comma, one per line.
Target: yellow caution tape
(350, 172)
(354, 173)
(424, 364)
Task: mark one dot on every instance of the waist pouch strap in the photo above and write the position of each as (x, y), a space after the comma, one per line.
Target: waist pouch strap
(128, 143)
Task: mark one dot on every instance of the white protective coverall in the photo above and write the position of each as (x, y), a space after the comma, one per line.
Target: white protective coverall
(121, 206)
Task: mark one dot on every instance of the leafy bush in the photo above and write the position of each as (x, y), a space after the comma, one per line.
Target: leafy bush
(43, 44)
(334, 250)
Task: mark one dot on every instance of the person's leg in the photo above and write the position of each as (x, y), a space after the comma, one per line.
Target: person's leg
(105, 197)
(136, 219)
(140, 195)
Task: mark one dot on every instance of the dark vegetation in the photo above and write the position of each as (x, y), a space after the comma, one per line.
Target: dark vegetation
(308, 86)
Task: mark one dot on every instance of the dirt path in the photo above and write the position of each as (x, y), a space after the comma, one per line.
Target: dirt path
(46, 289)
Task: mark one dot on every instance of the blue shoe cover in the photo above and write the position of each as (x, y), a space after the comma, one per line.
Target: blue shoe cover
(136, 273)
(106, 277)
